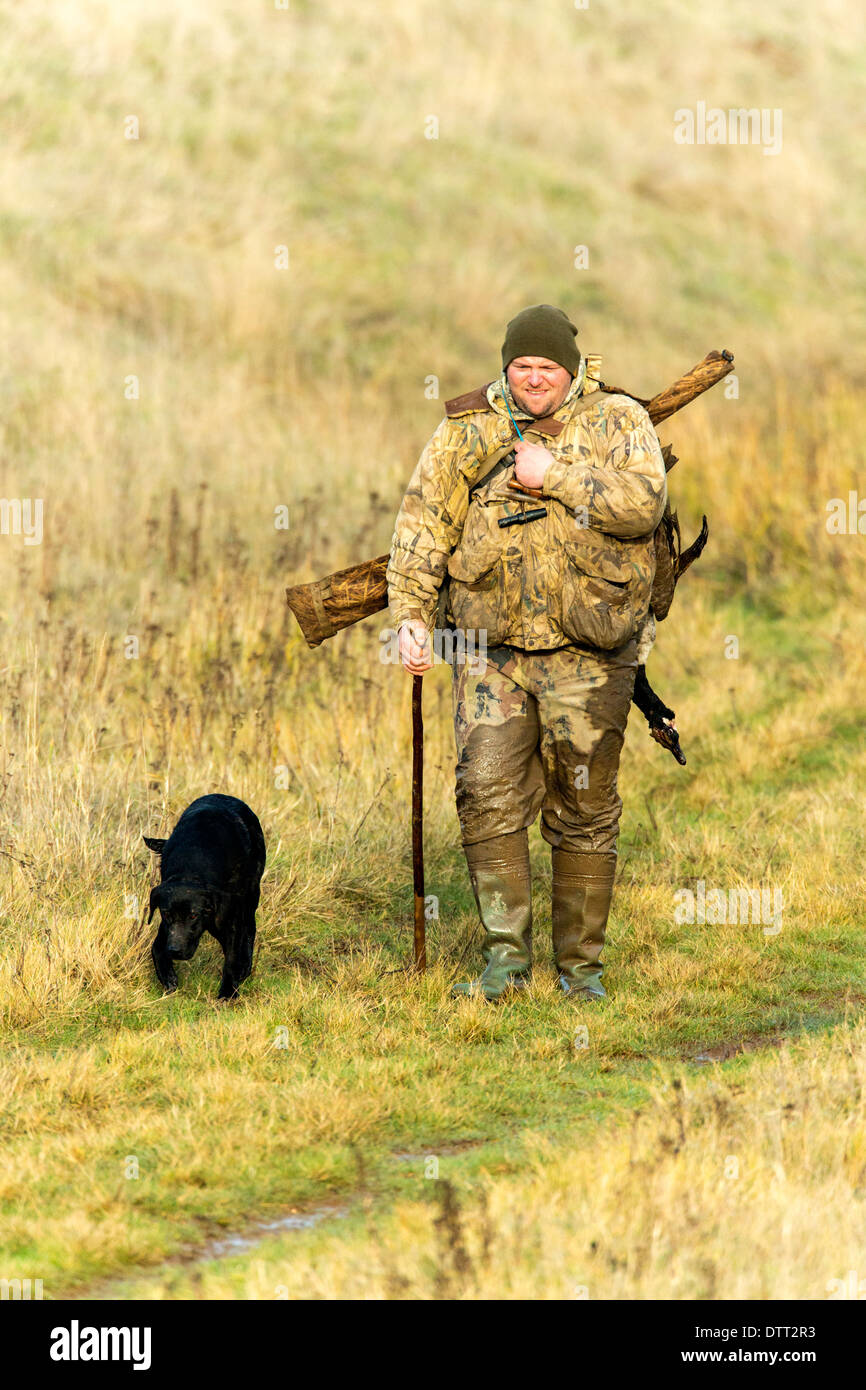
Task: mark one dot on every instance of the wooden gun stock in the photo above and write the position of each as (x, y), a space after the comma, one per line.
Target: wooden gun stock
(328, 605)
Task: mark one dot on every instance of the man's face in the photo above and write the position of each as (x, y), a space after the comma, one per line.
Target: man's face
(538, 385)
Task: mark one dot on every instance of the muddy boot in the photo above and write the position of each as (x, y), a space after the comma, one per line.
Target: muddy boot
(582, 890)
(499, 870)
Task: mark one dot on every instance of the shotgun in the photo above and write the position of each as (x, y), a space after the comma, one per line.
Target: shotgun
(326, 606)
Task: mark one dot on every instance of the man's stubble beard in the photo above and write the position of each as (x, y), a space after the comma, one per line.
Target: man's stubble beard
(536, 413)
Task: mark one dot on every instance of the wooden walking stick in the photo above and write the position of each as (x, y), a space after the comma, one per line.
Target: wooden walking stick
(418, 823)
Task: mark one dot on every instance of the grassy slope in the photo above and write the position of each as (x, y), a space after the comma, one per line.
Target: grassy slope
(225, 1123)
(155, 258)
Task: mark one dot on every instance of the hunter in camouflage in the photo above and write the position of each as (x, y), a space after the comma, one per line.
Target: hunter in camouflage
(561, 604)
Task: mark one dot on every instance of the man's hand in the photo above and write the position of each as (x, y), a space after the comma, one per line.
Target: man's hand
(413, 641)
(533, 461)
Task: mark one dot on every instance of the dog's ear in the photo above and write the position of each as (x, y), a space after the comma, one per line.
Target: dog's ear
(156, 845)
(157, 899)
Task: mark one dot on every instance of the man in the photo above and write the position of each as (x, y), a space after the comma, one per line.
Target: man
(560, 598)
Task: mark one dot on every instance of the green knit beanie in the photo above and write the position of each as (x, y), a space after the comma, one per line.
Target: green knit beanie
(542, 331)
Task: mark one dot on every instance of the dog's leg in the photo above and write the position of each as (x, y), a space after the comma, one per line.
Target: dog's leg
(166, 973)
(240, 939)
(233, 970)
(249, 941)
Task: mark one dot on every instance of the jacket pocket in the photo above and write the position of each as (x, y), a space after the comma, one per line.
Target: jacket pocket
(597, 601)
(477, 599)
(476, 596)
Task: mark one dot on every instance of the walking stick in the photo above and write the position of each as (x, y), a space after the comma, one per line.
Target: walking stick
(418, 823)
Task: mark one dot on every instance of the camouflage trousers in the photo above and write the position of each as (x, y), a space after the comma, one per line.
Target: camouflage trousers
(543, 731)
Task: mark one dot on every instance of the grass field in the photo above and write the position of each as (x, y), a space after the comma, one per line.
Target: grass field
(165, 389)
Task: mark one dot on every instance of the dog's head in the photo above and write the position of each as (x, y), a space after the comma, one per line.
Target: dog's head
(186, 912)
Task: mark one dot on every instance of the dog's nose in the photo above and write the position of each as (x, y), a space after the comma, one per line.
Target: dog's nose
(181, 950)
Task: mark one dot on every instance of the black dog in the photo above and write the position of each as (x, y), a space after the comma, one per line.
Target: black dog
(212, 864)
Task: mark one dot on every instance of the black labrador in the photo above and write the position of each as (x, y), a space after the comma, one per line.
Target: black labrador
(212, 864)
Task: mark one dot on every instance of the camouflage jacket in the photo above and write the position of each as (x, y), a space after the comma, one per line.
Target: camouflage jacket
(581, 574)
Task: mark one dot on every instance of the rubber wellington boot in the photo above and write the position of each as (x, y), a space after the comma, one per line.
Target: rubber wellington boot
(582, 890)
(499, 870)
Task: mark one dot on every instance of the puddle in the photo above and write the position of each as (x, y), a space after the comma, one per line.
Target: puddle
(759, 1042)
(722, 1052)
(439, 1151)
(215, 1248)
(253, 1235)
